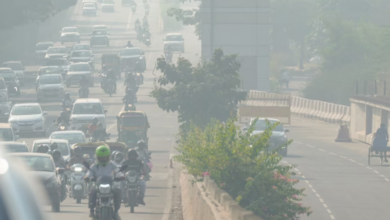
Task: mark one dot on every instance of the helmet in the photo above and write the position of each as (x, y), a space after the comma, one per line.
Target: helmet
(43, 148)
(77, 151)
(102, 154)
(56, 154)
(67, 95)
(119, 157)
(54, 146)
(95, 121)
(132, 154)
(141, 144)
(62, 114)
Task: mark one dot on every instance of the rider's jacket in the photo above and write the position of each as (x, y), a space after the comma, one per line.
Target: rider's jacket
(92, 128)
(98, 170)
(60, 163)
(99, 133)
(63, 119)
(128, 99)
(66, 102)
(76, 160)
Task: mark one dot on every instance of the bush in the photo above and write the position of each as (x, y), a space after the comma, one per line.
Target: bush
(241, 165)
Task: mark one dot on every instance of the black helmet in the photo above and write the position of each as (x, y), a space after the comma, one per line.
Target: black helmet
(43, 148)
(119, 156)
(141, 144)
(95, 121)
(54, 146)
(77, 151)
(132, 154)
(56, 154)
(67, 95)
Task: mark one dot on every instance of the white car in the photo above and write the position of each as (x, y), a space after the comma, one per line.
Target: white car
(56, 52)
(89, 9)
(77, 71)
(28, 118)
(5, 106)
(50, 86)
(175, 41)
(82, 56)
(99, 28)
(73, 137)
(77, 47)
(48, 70)
(84, 111)
(40, 50)
(70, 34)
(18, 69)
(63, 146)
(108, 5)
(61, 63)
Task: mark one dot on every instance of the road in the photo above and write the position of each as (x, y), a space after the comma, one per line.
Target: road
(339, 183)
(164, 125)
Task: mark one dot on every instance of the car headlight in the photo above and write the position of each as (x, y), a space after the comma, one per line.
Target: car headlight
(104, 188)
(52, 184)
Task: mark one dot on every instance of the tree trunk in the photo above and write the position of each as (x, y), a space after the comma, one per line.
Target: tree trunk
(302, 54)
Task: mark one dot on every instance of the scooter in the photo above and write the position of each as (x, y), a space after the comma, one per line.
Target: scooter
(78, 187)
(133, 189)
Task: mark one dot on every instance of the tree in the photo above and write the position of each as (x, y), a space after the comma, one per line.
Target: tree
(187, 16)
(208, 90)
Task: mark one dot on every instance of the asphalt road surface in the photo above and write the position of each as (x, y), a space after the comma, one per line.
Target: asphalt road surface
(164, 125)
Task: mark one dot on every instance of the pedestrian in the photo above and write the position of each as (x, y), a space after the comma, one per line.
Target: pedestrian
(381, 138)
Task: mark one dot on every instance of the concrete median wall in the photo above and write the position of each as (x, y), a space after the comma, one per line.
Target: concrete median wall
(206, 201)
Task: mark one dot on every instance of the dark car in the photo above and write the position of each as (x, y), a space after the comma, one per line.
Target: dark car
(11, 80)
(132, 56)
(99, 37)
(14, 147)
(42, 167)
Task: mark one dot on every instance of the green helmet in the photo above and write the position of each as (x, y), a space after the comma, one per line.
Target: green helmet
(103, 154)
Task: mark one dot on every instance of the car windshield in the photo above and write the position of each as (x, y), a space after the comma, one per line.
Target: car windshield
(62, 62)
(81, 47)
(87, 109)
(60, 50)
(69, 30)
(14, 66)
(49, 71)
(79, 67)
(261, 125)
(81, 54)
(62, 147)
(133, 121)
(174, 38)
(6, 134)
(43, 46)
(14, 148)
(129, 52)
(99, 32)
(37, 163)
(72, 138)
(26, 110)
(50, 80)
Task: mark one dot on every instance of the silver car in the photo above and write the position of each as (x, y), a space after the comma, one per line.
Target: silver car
(50, 86)
(70, 34)
(76, 72)
(82, 56)
(175, 41)
(89, 9)
(28, 118)
(77, 47)
(18, 69)
(56, 52)
(41, 49)
(61, 63)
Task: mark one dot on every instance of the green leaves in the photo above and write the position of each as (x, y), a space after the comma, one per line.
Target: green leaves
(208, 90)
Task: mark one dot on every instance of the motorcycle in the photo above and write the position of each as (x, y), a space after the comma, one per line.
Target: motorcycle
(105, 198)
(84, 92)
(138, 27)
(61, 173)
(78, 187)
(147, 41)
(100, 138)
(146, 161)
(139, 78)
(67, 109)
(168, 56)
(110, 87)
(130, 107)
(133, 189)
(62, 127)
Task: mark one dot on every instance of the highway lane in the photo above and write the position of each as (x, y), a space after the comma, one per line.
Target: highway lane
(339, 183)
(164, 125)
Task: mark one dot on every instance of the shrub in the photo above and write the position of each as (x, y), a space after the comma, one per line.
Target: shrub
(241, 164)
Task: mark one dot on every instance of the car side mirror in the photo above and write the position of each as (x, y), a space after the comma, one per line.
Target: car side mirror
(286, 130)
(17, 137)
(44, 113)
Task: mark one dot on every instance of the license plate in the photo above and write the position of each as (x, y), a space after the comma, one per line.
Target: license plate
(26, 128)
(51, 94)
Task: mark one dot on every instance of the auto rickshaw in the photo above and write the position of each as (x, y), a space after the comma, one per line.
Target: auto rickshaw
(90, 148)
(132, 126)
(111, 61)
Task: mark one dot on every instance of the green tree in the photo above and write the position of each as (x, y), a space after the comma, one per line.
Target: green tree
(187, 16)
(208, 90)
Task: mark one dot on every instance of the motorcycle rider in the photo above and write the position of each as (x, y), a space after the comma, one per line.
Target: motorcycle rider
(67, 101)
(118, 159)
(129, 97)
(131, 83)
(129, 44)
(102, 168)
(53, 147)
(144, 156)
(93, 126)
(43, 148)
(99, 132)
(137, 23)
(63, 118)
(87, 158)
(77, 158)
(83, 83)
(134, 164)
(59, 163)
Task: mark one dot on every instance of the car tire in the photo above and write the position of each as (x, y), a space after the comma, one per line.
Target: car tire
(55, 206)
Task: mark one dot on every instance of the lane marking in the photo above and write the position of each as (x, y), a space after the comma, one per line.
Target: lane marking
(321, 150)
(332, 217)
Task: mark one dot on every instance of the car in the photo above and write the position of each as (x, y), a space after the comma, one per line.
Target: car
(42, 166)
(84, 110)
(73, 137)
(77, 71)
(56, 52)
(14, 147)
(132, 54)
(77, 47)
(50, 86)
(28, 118)
(41, 49)
(3, 86)
(175, 41)
(11, 80)
(99, 37)
(63, 146)
(48, 70)
(108, 5)
(61, 63)
(82, 56)
(5, 106)
(99, 28)
(18, 69)
(278, 137)
(7, 134)
(70, 34)
(89, 9)
(91, 1)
